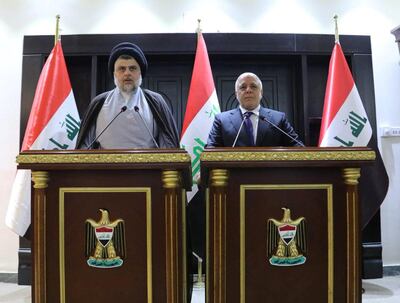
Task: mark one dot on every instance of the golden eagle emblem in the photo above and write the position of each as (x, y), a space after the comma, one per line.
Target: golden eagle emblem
(286, 240)
(105, 241)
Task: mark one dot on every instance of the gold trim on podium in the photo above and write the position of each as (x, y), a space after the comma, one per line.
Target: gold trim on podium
(65, 190)
(40, 182)
(170, 179)
(287, 156)
(184, 243)
(103, 158)
(171, 185)
(208, 263)
(351, 176)
(330, 231)
(40, 179)
(219, 182)
(219, 177)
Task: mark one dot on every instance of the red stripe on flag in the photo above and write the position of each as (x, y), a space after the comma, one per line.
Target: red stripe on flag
(51, 91)
(287, 227)
(339, 85)
(201, 85)
(104, 229)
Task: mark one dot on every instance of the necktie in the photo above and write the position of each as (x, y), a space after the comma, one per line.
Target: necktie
(249, 127)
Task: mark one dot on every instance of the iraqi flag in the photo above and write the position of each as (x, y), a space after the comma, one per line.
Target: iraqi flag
(202, 105)
(53, 124)
(344, 120)
(345, 123)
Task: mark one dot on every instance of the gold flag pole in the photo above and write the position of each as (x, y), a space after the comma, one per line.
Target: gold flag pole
(57, 35)
(336, 29)
(198, 26)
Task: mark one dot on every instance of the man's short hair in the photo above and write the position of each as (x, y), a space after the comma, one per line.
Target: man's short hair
(248, 74)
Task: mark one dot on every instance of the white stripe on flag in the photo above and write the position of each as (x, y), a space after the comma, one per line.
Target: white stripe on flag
(56, 130)
(350, 125)
(196, 136)
(18, 216)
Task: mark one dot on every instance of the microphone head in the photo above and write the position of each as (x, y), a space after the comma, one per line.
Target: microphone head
(123, 108)
(136, 108)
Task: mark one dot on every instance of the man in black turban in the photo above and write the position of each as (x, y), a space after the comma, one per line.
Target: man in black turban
(142, 117)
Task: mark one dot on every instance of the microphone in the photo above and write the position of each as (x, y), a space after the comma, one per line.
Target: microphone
(123, 108)
(281, 130)
(240, 128)
(145, 125)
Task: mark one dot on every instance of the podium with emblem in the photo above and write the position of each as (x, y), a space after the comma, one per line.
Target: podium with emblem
(283, 224)
(108, 226)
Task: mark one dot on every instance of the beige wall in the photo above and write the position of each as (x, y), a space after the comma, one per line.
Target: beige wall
(366, 17)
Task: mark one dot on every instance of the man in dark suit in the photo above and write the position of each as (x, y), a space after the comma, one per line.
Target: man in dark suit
(250, 124)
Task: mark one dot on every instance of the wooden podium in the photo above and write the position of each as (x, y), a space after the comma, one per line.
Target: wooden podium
(108, 226)
(283, 224)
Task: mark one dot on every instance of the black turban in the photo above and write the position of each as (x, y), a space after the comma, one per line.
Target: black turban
(130, 49)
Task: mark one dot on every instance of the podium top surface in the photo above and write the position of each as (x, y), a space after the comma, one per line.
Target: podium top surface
(287, 156)
(262, 157)
(109, 159)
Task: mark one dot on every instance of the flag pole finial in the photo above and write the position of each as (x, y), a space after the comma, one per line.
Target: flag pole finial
(198, 26)
(57, 35)
(336, 29)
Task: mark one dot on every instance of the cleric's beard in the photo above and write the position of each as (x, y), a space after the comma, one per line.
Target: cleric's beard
(128, 88)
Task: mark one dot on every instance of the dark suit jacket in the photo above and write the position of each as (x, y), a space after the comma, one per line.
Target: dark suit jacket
(226, 126)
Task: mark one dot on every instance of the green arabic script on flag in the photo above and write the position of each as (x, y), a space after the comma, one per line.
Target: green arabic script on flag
(357, 124)
(198, 148)
(72, 127)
